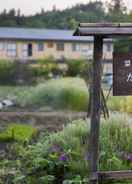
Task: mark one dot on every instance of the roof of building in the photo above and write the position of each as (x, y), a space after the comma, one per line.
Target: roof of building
(41, 34)
(104, 29)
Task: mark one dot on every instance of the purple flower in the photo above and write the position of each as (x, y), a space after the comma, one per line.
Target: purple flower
(129, 157)
(126, 156)
(64, 157)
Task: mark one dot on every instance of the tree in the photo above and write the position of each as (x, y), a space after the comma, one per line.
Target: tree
(42, 11)
(72, 23)
(12, 13)
(117, 6)
(18, 17)
(117, 10)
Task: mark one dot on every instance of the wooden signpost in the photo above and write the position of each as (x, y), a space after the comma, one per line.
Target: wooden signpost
(122, 86)
(122, 74)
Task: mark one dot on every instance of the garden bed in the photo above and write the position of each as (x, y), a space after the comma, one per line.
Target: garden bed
(51, 121)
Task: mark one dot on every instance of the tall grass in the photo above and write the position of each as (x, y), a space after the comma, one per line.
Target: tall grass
(65, 93)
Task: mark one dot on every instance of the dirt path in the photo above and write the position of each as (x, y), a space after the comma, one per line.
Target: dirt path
(51, 121)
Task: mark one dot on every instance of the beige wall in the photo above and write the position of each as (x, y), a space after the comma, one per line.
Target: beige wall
(84, 50)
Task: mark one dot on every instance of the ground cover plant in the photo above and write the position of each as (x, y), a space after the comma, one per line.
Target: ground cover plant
(18, 132)
(69, 93)
(63, 157)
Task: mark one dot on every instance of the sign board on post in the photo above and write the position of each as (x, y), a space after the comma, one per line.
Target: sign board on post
(122, 74)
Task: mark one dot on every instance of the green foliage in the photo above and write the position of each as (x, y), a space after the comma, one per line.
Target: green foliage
(18, 132)
(10, 71)
(123, 45)
(58, 156)
(127, 104)
(68, 18)
(65, 93)
(63, 157)
(116, 103)
(76, 66)
(45, 68)
(7, 71)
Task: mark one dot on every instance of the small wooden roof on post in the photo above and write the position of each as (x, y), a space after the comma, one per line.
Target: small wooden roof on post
(99, 31)
(104, 29)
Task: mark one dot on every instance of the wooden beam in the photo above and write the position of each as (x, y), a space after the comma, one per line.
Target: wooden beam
(104, 31)
(106, 24)
(95, 108)
(114, 175)
(99, 24)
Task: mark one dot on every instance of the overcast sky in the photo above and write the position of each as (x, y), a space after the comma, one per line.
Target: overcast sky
(33, 6)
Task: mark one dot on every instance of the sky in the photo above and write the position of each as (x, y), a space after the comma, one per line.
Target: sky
(32, 6)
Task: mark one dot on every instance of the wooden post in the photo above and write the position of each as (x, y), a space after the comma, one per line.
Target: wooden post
(95, 108)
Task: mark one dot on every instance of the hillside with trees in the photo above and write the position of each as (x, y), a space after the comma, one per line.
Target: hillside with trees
(94, 11)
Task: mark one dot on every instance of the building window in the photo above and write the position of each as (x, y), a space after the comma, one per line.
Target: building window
(40, 46)
(11, 49)
(50, 44)
(75, 47)
(60, 46)
(1, 46)
(25, 50)
(108, 47)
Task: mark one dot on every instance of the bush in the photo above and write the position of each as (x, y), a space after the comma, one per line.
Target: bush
(116, 103)
(76, 66)
(13, 72)
(18, 132)
(7, 70)
(65, 93)
(46, 68)
(127, 104)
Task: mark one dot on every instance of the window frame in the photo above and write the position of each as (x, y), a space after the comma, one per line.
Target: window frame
(40, 46)
(60, 46)
(2, 46)
(75, 47)
(50, 44)
(108, 47)
(11, 49)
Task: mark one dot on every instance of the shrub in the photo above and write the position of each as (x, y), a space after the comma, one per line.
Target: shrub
(76, 66)
(116, 103)
(13, 72)
(46, 68)
(18, 132)
(65, 93)
(127, 104)
(7, 71)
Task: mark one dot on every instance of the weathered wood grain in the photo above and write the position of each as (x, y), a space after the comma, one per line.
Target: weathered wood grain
(95, 106)
(114, 175)
(104, 29)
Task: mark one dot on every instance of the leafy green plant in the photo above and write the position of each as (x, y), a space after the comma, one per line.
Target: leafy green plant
(18, 132)
(63, 157)
(45, 68)
(7, 71)
(76, 66)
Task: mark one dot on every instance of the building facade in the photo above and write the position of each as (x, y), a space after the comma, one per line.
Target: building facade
(32, 44)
